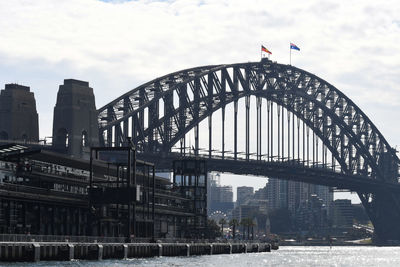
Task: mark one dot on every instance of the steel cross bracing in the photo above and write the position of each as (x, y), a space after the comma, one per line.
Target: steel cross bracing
(344, 129)
(158, 115)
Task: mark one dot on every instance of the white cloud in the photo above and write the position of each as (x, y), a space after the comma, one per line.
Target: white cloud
(117, 46)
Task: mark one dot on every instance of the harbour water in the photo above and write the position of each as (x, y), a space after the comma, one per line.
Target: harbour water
(285, 256)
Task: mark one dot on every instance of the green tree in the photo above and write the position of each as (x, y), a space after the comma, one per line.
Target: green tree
(222, 222)
(248, 227)
(251, 225)
(247, 224)
(243, 223)
(213, 230)
(233, 223)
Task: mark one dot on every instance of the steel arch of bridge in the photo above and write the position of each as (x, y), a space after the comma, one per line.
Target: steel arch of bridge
(345, 130)
(192, 95)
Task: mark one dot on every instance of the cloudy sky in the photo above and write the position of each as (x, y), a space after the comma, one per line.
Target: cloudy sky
(117, 45)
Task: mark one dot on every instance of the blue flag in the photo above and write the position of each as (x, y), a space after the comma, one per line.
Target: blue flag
(293, 46)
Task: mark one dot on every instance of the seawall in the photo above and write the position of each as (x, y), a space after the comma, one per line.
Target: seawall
(61, 251)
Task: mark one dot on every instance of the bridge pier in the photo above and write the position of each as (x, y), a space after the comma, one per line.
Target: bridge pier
(384, 216)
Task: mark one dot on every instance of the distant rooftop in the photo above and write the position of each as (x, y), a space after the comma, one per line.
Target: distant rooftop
(14, 86)
(76, 82)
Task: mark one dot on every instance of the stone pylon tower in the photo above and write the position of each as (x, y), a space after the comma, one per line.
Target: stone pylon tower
(18, 115)
(75, 127)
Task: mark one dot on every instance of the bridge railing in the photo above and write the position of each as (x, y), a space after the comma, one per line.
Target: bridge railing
(25, 142)
(266, 159)
(102, 239)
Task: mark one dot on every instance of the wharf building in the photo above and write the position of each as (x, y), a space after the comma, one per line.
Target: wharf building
(75, 189)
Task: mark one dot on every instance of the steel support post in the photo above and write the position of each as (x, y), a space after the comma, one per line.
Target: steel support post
(278, 110)
(235, 114)
(268, 131)
(293, 138)
(134, 129)
(210, 92)
(168, 109)
(308, 146)
(304, 140)
(129, 183)
(272, 131)
(283, 133)
(288, 134)
(223, 103)
(209, 135)
(196, 139)
(153, 203)
(110, 112)
(247, 100)
(196, 100)
(223, 132)
(140, 126)
(126, 121)
(298, 138)
(182, 116)
(313, 147)
(259, 127)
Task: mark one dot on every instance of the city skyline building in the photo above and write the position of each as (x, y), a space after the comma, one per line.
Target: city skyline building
(342, 214)
(293, 194)
(219, 198)
(244, 194)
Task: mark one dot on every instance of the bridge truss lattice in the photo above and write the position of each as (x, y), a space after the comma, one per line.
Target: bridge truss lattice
(158, 115)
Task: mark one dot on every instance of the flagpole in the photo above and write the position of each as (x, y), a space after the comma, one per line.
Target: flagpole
(290, 57)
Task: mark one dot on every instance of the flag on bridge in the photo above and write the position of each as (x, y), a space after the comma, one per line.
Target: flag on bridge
(263, 49)
(293, 46)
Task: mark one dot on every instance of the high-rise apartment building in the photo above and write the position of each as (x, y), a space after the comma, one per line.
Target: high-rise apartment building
(342, 213)
(244, 194)
(293, 194)
(220, 198)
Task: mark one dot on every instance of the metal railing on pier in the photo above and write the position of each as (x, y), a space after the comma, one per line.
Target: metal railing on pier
(101, 239)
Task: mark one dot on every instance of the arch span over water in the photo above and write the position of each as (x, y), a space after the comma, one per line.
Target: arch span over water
(157, 115)
(343, 127)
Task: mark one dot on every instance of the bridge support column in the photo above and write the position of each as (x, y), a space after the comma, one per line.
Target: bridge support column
(385, 215)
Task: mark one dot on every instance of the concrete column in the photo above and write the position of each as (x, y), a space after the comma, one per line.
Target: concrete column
(18, 115)
(36, 252)
(74, 133)
(159, 250)
(125, 251)
(187, 250)
(71, 251)
(100, 252)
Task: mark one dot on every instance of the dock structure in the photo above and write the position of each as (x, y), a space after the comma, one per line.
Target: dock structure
(112, 195)
(63, 251)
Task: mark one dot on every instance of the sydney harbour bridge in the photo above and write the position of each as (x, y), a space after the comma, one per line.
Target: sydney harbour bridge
(261, 118)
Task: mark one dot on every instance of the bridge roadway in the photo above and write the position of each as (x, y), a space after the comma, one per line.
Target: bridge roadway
(288, 170)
